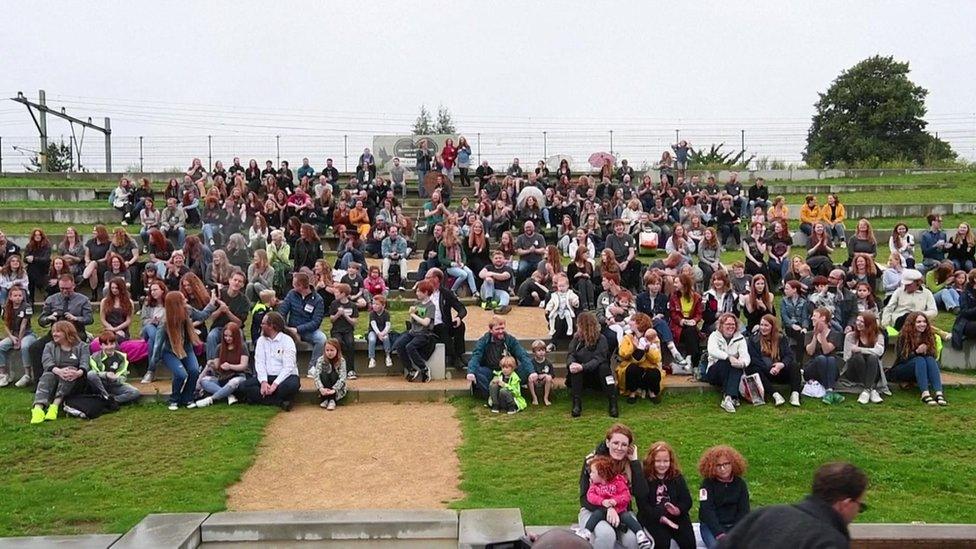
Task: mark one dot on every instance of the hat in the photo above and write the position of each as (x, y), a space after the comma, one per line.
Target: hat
(910, 275)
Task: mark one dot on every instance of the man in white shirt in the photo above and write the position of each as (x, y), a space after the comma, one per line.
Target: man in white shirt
(276, 379)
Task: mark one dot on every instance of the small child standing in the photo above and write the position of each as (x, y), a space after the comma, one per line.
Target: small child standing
(344, 313)
(379, 330)
(609, 490)
(562, 304)
(821, 296)
(740, 280)
(505, 390)
(107, 370)
(374, 284)
(543, 367)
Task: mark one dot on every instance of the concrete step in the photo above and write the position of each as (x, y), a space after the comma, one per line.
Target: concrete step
(176, 530)
(88, 541)
(481, 528)
(271, 527)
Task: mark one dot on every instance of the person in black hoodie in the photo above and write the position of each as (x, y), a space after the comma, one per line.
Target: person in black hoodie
(664, 503)
(771, 353)
(820, 520)
(619, 445)
(723, 499)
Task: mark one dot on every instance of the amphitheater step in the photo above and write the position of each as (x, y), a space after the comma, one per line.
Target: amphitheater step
(91, 541)
(175, 530)
(272, 527)
(481, 528)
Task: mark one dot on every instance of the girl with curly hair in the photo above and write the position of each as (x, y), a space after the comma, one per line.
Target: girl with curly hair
(723, 498)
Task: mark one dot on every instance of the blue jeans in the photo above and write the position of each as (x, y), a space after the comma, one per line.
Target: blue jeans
(966, 265)
(149, 334)
(545, 216)
(462, 274)
(212, 386)
(7, 345)
(708, 538)
(185, 373)
(421, 175)
(353, 255)
(923, 370)
(372, 338)
(144, 235)
(663, 330)
(836, 231)
(525, 269)
(488, 292)
(208, 232)
(948, 298)
(317, 339)
(213, 341)
(180, 233)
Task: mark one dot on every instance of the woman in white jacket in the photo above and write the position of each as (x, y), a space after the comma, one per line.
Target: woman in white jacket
(728, 360)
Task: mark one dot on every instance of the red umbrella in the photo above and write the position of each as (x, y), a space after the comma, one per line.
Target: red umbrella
(597, 160)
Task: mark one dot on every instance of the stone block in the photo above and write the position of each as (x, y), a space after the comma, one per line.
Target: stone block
(296, 526)
(94, 541)
(164, 531)
(437, 363)
(477, 528)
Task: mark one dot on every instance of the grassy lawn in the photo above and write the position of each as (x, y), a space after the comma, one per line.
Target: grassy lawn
(71, 476)
(921, 461)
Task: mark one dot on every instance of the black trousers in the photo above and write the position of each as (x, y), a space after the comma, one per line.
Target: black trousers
(596, 379)
(453, 339)
(287, 390)
(348, 348)
(642, 379)
(662, 535)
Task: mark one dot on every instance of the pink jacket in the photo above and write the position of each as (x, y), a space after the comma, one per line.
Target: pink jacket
(616, 490)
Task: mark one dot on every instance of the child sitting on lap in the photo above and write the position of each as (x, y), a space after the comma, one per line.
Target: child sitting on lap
(609, 490)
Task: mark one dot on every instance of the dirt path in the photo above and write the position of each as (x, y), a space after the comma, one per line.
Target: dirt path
(375, 455)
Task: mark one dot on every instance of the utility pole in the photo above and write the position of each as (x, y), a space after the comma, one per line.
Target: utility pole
(677, 133)
(209, 153)
(545, 146)
(611, 141)
(141, 169)
(743, 139)
(345, 153)
(40, 121)
(278, 149)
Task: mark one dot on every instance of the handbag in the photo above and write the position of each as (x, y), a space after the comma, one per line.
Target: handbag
(648, 240)
(751, 389)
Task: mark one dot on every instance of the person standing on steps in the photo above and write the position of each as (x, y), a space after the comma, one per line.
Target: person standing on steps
(448, 328)
(488, 352)
(588, 364)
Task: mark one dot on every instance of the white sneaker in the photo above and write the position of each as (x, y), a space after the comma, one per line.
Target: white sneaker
(875, 397)
(778, 399)
(4, 380)
(204, 402)
(331, 406)
(23, 381)
(864, 397)
(125, 223)
(352, 375)
(372, 363)
(173, 407)
(389, 362)
(73, 412)
(727, 405)
(643, 542)
(231, 400)
(583, 532)
(795, 399)
(324, 404)
(148, 378)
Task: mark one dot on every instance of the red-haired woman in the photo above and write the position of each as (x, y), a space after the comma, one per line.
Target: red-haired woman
(863, 347)
(724, 496)
(686, 314)
(225, 373)
(176, 341)
(916, 359)
(37, 255)
(664, 504)
(115, 311)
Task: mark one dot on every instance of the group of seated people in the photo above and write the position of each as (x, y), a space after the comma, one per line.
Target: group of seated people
(685, 312)
(615, 479)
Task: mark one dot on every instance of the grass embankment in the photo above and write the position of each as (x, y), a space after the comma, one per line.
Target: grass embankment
(73, 477)
(921, 460)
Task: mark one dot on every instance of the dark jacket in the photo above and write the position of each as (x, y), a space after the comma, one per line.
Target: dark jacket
(649, 511)
(305, 314)
(636, 472)
(762, 361)
(810, 524)
(657, 306)
(449, 304)
(722, 505)
(591, 358)
(966, 314)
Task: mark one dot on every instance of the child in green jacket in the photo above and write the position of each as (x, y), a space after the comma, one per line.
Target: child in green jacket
(505, 390)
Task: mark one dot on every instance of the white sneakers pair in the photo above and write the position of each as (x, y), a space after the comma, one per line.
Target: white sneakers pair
(328, 405)
(727, 404)
(389, 362)
(871, 396)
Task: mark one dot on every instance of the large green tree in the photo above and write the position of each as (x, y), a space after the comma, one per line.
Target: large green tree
(872, 113)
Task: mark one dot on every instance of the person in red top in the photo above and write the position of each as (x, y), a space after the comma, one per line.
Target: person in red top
(686, 315)
(609, 490)
(374, 283)
(448, 156)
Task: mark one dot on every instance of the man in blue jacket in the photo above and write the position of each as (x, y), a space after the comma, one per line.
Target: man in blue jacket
(489, 350)
(933, 243)
(303, 310)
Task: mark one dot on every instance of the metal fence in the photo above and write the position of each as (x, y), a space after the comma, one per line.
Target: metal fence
(641, 147)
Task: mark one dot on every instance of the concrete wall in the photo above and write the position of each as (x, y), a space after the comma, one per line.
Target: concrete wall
(49, 193)
(870, 211)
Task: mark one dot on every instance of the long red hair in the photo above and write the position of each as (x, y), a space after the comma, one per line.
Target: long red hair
(231, 354)
(178, 324)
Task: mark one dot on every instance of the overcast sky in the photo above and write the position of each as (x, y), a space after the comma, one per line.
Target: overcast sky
(181, 70)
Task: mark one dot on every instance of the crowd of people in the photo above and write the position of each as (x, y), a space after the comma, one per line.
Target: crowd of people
(615, 479)
(626, 321)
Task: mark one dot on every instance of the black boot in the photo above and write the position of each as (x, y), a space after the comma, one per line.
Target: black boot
(613, 404)
(577, 406)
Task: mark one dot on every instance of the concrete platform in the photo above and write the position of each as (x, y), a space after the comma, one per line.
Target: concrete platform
(94, 541)
(481, 528)
(301, 526)
(164, 531)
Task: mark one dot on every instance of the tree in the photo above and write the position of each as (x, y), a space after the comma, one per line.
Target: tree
(872, 113)
(58, 159)
(424, 125)
(445, 125)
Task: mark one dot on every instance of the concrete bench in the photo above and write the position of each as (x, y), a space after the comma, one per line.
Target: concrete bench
(92, 541)
(166, 530)
(479, 528)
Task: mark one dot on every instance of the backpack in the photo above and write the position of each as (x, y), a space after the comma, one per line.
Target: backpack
(394, 276)
(91, 405)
